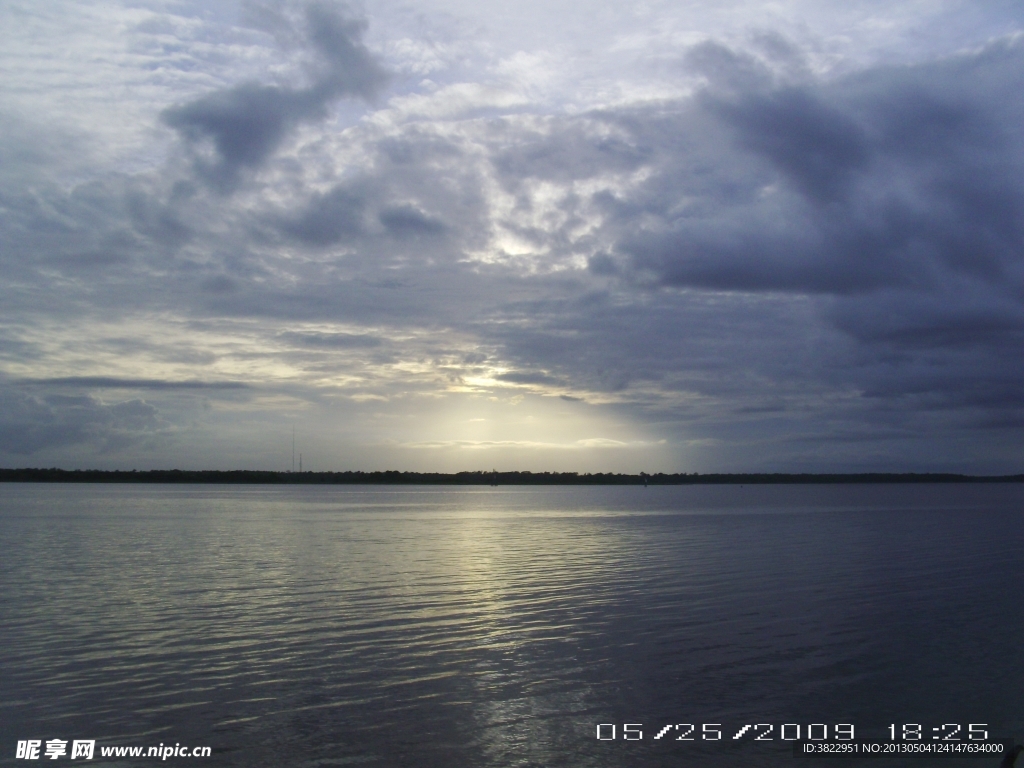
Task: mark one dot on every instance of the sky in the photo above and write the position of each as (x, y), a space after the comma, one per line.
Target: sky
(566, 235)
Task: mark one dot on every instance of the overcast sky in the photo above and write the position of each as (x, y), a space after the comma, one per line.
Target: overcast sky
(442, 235)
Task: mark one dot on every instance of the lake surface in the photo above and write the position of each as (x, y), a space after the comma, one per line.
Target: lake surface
(458, 627)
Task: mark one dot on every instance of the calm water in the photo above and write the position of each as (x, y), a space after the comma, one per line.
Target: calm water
(304, 626)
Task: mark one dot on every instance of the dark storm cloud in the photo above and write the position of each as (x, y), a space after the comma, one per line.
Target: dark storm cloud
(817, 147)
(247, 122)
(898, 177)
(405, 221)
(331, 217)
(863, 234)
(940, 321)
(404, 210)
(31, 423)
(694, 344)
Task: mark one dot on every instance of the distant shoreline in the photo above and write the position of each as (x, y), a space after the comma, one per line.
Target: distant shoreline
(394, 477)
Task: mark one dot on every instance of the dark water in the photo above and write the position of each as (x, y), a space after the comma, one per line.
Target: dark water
(306, 626)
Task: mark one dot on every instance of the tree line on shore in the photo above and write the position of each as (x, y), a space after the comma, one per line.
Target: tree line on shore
(395, 477)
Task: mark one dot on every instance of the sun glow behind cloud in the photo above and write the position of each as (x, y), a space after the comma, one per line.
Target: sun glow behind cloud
(534, 432)
(570, 236)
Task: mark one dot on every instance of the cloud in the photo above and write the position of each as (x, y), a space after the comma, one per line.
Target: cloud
(247, 122)
(598, 443)
(763, 248)
(857, 237)
(331, 217)
(895, 177)
(569, 150)
(331, 340)
(404, 221)
(527, 377)
(107, 382)
(29, 424)
(605, 443)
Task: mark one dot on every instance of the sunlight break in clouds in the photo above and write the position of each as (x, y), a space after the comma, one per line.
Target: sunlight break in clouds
(590, 237)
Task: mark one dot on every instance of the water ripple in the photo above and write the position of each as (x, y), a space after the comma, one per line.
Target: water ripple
(487, 627)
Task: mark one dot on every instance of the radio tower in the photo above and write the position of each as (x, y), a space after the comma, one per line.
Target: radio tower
(293, 447)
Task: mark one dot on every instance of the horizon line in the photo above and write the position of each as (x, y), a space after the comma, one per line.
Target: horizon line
(474, 477)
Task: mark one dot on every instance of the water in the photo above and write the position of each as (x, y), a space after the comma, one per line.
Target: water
(393, 626)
